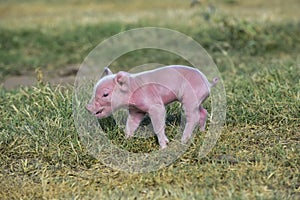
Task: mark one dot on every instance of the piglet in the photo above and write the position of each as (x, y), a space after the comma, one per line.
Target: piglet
(149, 92)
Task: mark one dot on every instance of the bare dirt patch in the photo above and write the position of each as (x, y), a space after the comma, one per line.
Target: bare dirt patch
(65, 76)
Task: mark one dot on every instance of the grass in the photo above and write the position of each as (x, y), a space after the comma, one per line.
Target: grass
(256, 157)
(42, 34)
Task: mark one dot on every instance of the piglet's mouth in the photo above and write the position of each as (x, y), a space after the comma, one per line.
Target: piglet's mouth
(99, 112)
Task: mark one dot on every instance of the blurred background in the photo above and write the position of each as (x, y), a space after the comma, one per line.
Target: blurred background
(56, 35)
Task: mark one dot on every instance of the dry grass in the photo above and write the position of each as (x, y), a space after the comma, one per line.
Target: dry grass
(36, 14)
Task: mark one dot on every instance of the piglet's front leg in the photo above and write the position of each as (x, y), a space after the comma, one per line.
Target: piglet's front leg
(157, 114)
(133, 121)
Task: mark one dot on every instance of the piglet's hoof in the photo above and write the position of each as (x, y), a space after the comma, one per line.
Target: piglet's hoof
(128, 137)
(164, 144)
(184, 140)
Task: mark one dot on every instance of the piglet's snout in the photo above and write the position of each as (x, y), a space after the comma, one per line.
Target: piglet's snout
(90, 107)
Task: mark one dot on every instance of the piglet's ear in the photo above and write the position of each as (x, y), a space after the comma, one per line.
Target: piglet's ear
(122, 81)
(106, 72)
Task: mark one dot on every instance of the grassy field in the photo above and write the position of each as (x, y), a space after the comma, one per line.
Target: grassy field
(255, 45)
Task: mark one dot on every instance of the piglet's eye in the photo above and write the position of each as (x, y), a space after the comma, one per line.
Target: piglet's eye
(105, 94)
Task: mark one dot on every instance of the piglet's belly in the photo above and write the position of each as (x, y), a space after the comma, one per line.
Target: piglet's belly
(169, 97)
(164, 93)
(147, 96)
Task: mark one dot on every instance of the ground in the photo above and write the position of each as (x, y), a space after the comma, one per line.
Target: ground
(255, 45)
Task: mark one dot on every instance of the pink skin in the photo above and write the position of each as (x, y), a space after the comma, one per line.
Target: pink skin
(149, 92)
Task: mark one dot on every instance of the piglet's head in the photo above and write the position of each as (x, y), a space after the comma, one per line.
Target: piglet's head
(109, 93)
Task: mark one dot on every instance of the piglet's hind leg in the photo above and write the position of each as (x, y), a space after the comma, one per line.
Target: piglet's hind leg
(192, 120)
(190, 102)
(203, 118)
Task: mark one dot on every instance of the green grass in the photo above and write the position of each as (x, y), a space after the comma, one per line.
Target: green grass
(30, 48)
(256, 157)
